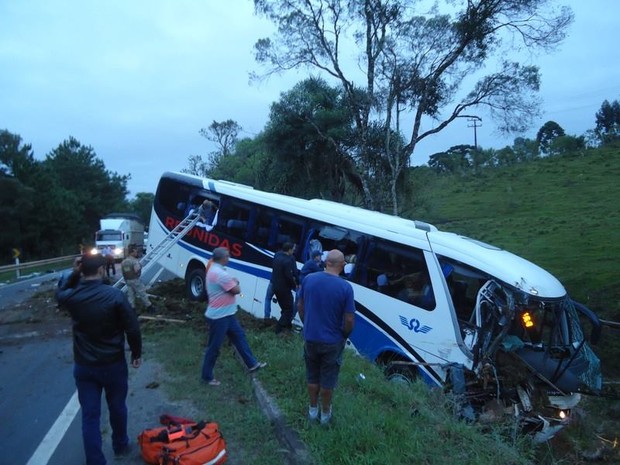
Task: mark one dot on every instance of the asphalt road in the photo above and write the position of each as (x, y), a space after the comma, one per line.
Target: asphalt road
(41, 422)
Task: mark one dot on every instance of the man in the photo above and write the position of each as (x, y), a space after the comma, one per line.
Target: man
(313, 265)
(132, 270)
(101, 318)
(326, 308)
(284, 281)
(222, 289)
(107, 253)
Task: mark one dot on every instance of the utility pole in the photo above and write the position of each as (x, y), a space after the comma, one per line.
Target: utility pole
(475, 120)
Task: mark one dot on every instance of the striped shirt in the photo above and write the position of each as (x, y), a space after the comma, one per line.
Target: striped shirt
(221, 302)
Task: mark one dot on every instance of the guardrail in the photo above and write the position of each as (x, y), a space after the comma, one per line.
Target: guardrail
(18, 267)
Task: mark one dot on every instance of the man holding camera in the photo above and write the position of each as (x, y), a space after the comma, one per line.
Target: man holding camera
(102, 318)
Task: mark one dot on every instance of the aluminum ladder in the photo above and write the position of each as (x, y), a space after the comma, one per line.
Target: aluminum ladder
(152, 258)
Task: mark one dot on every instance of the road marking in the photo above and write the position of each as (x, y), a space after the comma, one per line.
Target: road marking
(53, 437)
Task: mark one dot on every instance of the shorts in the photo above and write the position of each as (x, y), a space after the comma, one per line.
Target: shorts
(323, 362)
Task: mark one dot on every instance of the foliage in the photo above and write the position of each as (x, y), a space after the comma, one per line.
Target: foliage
(142, 204)
(548, 133)
(608, 122)
(52, 206)
(308, 135)
(225, 135)
(413, 65)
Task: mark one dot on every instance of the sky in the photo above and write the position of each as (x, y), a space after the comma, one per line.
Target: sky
(136, 80)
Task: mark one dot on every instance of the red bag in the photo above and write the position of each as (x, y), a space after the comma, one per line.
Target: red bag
(183, 444)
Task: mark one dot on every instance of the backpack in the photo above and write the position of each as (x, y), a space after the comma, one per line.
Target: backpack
(183, 443)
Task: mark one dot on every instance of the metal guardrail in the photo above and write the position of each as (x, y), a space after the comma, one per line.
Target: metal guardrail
(28, 265)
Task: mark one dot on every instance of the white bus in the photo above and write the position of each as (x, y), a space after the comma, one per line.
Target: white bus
(455, 311)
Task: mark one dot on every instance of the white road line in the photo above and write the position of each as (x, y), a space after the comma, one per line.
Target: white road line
(53, 437)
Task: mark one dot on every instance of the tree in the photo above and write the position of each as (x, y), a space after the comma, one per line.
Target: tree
(608, 122)
(82, 191)
(309, 136)
(525, 149)
(456, 159)
(142, 204)
(413, 65)
(16, 158)
(547, 133)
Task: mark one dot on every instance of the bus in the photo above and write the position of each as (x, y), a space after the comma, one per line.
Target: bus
(461, 314)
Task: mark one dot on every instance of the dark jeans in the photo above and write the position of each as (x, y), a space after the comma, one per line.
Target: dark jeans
(323, 362)
(218, 330)
(285, 299)
(91, 381)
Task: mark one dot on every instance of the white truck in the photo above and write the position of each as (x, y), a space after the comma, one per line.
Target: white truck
(119, 231)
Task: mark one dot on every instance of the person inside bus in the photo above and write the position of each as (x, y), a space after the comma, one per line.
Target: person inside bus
(413, 289)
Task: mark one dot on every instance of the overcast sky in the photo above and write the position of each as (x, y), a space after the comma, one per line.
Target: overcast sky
(136, 80)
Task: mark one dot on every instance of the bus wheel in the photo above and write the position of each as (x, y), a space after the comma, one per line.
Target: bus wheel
(195, 285)
(400, 373)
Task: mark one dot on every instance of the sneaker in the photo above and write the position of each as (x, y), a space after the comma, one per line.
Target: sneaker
(326, 418)
(313, 413)
(257, 367)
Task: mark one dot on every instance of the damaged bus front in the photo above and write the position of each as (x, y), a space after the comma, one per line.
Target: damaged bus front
(527, 354)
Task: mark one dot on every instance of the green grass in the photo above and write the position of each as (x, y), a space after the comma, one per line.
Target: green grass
(374, 421)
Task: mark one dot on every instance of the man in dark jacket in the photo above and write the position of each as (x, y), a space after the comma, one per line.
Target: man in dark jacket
(101, 318)
(284, 281)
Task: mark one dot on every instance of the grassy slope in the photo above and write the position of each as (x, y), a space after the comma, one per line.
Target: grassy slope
(561, 213)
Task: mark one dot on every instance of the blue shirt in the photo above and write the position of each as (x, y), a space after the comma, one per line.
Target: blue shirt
(326, 300)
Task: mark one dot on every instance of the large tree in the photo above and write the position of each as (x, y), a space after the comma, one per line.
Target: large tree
(309, 136)
(547, 133)
(414, 65)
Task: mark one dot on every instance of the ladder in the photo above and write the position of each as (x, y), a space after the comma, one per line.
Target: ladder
(152, 258)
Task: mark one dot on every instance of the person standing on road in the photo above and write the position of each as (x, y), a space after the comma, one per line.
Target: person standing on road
(132, 270)
(102, 318)
(222, 289)
(327, 310)
(284, 281)
(107, 253)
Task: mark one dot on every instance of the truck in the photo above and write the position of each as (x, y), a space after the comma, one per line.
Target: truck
(119, 231)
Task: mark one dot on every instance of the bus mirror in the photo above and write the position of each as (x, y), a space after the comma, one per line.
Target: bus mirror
(595, 335)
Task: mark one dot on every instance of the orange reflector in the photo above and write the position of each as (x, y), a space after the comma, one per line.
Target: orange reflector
(527, 320)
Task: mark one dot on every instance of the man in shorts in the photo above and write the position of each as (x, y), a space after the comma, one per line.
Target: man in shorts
(327, 310)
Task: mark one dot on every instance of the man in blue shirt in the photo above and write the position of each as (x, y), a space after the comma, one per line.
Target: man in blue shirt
(327, 310)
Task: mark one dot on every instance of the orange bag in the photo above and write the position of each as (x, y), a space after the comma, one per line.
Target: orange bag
(183, 444)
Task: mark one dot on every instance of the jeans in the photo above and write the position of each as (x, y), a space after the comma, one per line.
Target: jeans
(285, 299)
(218, 330)
(268, 297)
(90, 382)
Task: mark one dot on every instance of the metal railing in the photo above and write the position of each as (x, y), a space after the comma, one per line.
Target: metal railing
(18, 267)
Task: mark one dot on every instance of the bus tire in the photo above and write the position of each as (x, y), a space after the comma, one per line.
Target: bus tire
(400, 373)
(195, 285)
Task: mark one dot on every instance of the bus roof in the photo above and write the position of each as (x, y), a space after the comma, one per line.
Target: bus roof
(500, 263)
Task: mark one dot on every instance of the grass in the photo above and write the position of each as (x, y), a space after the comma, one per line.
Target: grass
(374, 421)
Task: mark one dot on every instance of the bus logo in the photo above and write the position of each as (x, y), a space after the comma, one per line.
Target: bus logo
(414, 325)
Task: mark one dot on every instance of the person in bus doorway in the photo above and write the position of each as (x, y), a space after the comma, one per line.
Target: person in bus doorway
(284, 282)
(132, 270)
(222, 289)
(327, 310)
(102, 319)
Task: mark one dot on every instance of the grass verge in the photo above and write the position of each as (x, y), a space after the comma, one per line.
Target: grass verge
(374, 421)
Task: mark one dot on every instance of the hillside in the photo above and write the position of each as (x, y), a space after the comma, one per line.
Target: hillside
(561, 213)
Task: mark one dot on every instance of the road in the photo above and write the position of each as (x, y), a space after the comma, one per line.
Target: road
(40, 415)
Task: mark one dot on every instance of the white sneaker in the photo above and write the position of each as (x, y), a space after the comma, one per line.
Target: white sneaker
(313, 413)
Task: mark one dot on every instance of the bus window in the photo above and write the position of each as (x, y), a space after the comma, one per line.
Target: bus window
(289, 229)
(399, 271)
(233, 218)
(173, 196)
